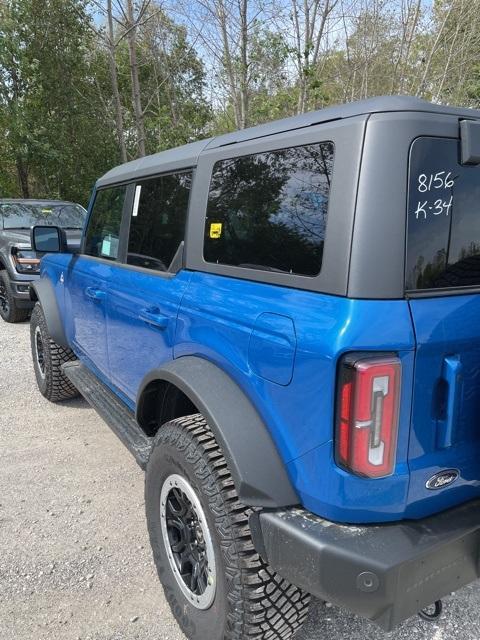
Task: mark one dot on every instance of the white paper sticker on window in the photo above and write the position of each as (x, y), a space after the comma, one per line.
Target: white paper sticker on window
(106, 246)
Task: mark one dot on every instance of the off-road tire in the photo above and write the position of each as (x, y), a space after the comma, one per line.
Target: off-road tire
(251, 601)
(10, 312)
(52, 382)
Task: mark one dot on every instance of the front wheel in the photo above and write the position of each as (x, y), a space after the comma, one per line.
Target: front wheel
(9, 310)
(48, 358)
(215, 582)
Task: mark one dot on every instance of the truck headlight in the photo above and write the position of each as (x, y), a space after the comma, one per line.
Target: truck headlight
(26, 261)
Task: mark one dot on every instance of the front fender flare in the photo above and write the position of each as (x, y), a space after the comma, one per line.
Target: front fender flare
(43, 291)
(259, 474)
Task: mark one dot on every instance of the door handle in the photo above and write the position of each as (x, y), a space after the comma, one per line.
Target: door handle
(95, 294)
(452, 373)
(153, 317)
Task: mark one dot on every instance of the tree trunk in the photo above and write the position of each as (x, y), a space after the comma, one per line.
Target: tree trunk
(22, 174)
(136, 95)
(299, 59)
(228, 62)
(413, 33)
(114, 80)
(309, 32)
(244, 65)
(423, 81)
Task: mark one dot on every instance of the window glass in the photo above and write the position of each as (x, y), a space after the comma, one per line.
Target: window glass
(23, 215)
(443, 228)
(268, 211)
(103, 229)
(158, 220)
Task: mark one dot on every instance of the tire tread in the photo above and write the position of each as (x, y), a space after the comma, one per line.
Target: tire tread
(58, 387)
(263, 606)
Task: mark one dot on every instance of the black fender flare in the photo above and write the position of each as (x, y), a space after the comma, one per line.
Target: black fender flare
(43, 291)
(259, 474)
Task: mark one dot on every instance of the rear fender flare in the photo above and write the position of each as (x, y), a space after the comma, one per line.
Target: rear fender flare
(259, 474)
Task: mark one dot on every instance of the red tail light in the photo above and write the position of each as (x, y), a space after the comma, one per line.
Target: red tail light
(367, 415)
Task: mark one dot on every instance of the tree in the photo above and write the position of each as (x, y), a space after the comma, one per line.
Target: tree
(85, 84)
(173, 84)
(453, 52)
(55, 129)
(13, 92)
(132, 20)
(112, 47)
(160, 96)
(225, 28)
(310, 23)
(272, 94)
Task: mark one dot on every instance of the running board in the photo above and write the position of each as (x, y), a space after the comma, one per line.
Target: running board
(109, 407)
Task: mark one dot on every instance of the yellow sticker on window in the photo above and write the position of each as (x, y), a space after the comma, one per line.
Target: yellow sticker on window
(215, 229)
(47, 211)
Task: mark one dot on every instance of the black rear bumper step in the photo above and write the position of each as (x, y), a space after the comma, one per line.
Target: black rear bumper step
(385, 573)
(115, 413)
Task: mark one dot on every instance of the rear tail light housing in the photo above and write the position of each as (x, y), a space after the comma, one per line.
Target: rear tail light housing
(367, 414)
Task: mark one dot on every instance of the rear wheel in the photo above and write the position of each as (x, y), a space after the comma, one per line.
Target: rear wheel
(217, 585)
(9, 310)
(48, 358)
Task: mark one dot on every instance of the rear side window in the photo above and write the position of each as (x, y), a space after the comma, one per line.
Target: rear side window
(268, 211)
(443, 228)
(103, 231)
(158, 220)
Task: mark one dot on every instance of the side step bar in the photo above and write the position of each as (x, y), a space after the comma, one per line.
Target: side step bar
(115, 413)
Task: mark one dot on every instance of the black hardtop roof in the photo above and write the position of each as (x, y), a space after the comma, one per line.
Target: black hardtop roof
(187, 155)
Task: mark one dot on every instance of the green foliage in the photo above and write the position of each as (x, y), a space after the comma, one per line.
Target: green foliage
(172, 82)
(271, 96)
(57, 106)
(50, 110)
(56, 111)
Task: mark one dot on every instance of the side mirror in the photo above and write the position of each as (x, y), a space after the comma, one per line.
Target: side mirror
(47, 239)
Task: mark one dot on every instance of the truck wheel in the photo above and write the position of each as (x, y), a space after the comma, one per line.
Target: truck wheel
(48, 358)
(215, 582)
(8, 305)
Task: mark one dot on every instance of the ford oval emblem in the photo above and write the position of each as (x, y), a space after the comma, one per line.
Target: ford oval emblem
(442, 479)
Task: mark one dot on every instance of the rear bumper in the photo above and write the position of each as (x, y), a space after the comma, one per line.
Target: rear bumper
(385, 573)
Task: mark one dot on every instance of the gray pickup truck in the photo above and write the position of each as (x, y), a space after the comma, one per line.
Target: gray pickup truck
(19, 265)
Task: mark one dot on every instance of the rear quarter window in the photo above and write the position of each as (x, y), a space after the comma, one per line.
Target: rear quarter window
(443, 225)
(268, 211)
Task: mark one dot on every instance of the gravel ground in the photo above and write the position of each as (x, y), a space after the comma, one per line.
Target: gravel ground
(75, 561)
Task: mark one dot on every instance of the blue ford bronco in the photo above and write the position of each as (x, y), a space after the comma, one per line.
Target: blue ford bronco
(282, 324)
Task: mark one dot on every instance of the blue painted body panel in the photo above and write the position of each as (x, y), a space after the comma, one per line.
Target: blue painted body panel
(282, 347)
(114, 333)
(216, 321)
(448, 339)
(135, 346)
(85, 325)
(272, 347)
